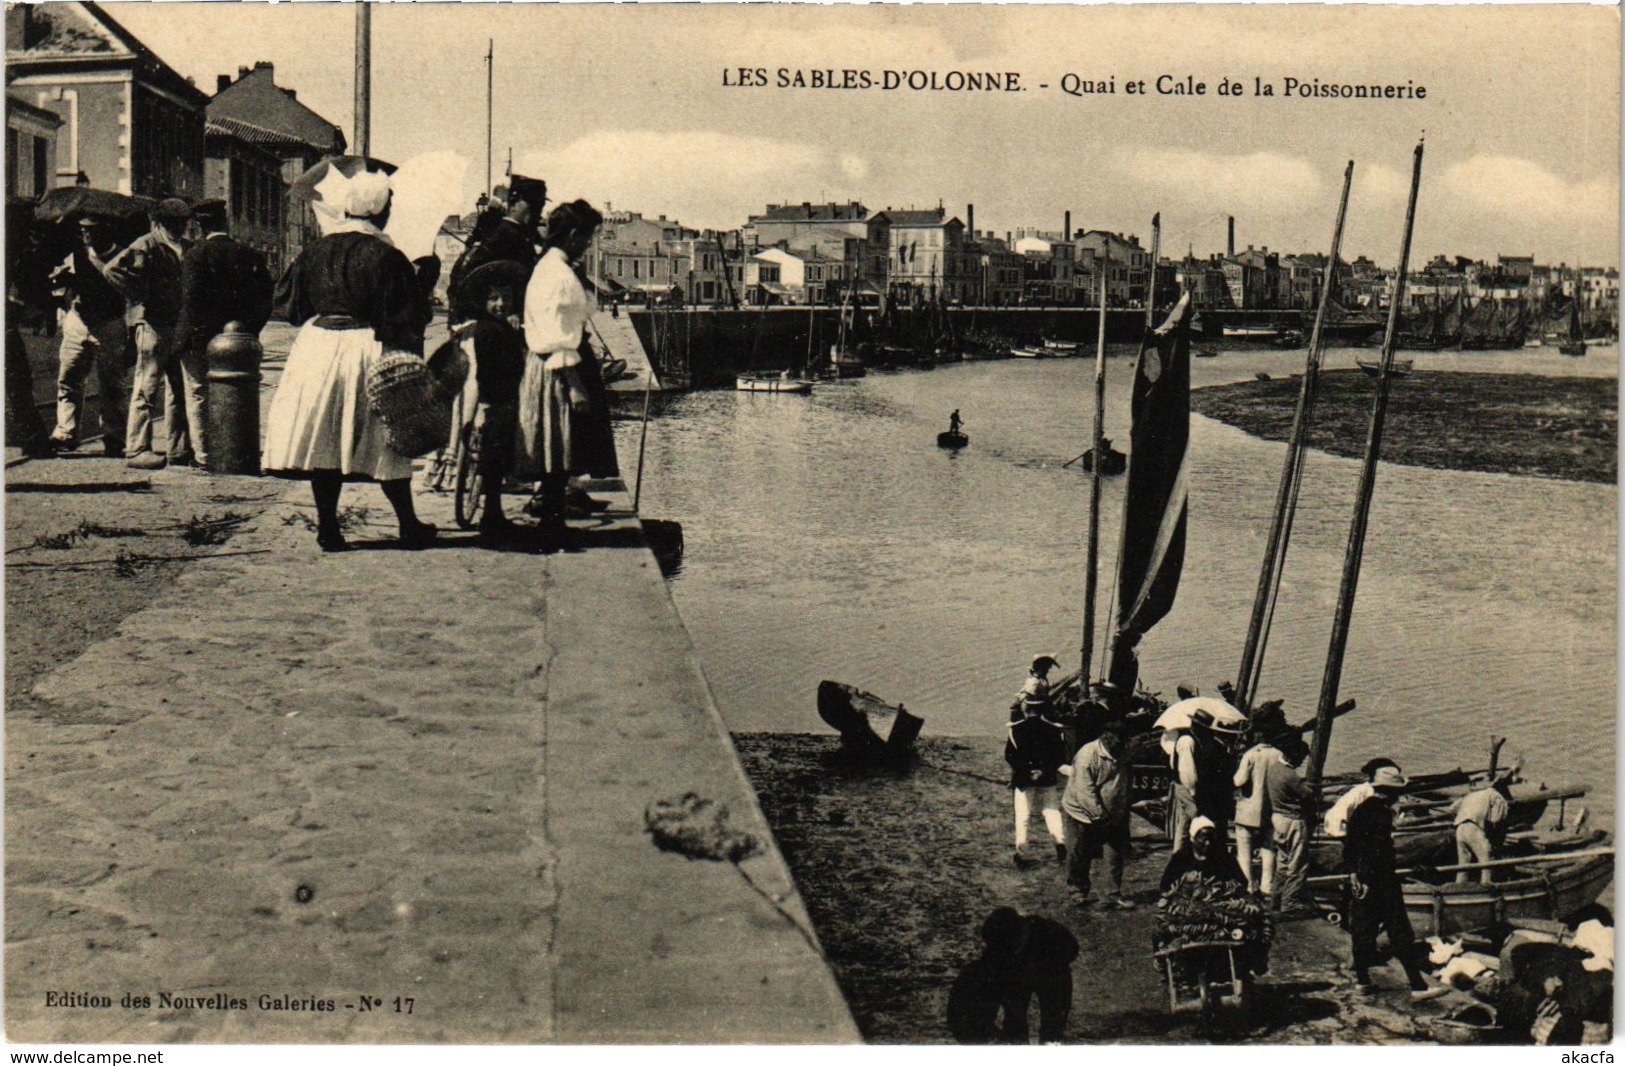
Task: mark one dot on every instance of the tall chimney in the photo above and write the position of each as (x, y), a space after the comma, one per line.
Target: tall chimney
(970, 220)
(222, 82)
(1066, 230)
(1230, 242)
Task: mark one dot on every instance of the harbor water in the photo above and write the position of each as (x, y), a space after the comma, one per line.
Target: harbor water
(828, 537)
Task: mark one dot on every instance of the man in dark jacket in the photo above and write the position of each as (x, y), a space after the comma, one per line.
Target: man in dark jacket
(514, 238)
(148, 273)
(222, 280)
(93, 338)
(1036, 751)
(1376, 902)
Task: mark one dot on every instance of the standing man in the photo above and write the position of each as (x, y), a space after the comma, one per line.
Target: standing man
(222, 280)
(1288, 805)
(1023, 957)
(1254, 826)
(1376, 902)
(1481, 826)
(1215, 771)
(1035, 690)
(1096, 807)
(148, 272)
(1036, 752)
(93, 337)
(515, 237)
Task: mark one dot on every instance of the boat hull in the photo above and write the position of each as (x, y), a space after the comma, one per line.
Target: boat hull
(1552, 894)
(953, 441)
(772, 383)
(860, 717)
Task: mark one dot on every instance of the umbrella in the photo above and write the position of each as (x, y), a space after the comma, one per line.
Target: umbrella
(1178, 715)
(427, 188)
(323, 186)
(60, 205)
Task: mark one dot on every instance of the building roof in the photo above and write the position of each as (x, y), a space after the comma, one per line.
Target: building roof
(250, 133)
(911, 218)
(62, 36)
(258, 101)
(810, 212)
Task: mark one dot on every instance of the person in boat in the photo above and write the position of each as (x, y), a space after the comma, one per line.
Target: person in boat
(1036, 751)
(354, 296)
(558, 433)
(954, 421)
(1096, 805)
(1481, 822)
(1023, 957)
(490, 293)
(1376, 901)
(1336, 820)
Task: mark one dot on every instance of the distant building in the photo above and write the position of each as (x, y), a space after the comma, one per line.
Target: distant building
(642, 257)
(1047, 268)
(1128, 267)
(925, 258)
(254, 110)
(806, 224)
(30, 148)
(129, 122)
(239, 169)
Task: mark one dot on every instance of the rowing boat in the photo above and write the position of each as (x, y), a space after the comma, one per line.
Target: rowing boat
(861, 717)
(1550, 886)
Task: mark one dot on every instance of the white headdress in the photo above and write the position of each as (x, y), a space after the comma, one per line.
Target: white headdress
(367, 194)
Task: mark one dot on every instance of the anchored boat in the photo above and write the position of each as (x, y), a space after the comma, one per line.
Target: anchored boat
(772, 383)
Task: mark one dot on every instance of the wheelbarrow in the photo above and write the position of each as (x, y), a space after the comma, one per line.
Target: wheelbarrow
(1220, 979)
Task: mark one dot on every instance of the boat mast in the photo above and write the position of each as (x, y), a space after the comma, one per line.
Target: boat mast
(1362, 502)
(1090, 575)
(490, 74)
(1286, 497)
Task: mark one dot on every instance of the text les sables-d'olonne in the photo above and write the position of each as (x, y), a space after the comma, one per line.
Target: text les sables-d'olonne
(1072, 84)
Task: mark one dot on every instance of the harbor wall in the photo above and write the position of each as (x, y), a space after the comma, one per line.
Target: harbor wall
(708, 346)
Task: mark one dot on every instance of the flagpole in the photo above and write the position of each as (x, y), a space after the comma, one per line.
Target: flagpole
(1286, 499)
(363, 79)
(1091, 576)
(1362, 503)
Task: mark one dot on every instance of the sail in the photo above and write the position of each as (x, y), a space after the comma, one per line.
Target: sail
(1154, 502)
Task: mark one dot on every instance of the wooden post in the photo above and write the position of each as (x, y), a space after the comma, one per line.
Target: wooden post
(1362, 506)
(363, 79)
(1091, 576)
(1286, 498)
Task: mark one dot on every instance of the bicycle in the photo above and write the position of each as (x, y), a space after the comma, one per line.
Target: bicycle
(468, 501)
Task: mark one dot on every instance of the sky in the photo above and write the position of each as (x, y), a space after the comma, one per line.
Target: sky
(638, 107)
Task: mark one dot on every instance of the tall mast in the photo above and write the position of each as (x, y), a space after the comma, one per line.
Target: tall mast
(1362, 501)
(363, 79)
(490, 97)
(1286, 498)
(1090, 575)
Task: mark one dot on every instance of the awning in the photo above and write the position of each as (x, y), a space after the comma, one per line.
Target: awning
(607, 286)
(775, 288)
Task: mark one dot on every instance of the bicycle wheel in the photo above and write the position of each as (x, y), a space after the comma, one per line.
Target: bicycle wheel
(469, 502)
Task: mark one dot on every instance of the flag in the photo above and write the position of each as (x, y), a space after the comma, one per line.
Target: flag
(1154, 502)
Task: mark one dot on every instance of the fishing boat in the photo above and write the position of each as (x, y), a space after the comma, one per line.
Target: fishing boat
(1575, 343)
(861, 718)
(952, 439)
(1400, 367)
(1060, 349)
(1114, 462)
(1028, 352)
(1252, 333)
(1551, 883)
(780, 382)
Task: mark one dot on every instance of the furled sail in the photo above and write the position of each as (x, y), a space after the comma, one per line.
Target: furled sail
(1153, 550)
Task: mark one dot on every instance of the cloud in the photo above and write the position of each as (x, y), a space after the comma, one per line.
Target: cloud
(1254, 182)
(1509, 186)
(703, 178)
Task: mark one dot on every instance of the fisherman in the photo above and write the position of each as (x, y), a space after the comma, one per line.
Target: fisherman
(148, 273)
(1023, 956)
(1376, 902)
(1096, 804)
(1288, 800)
(94, 337)
(1254, 824)
(1481, 823)
(1209, 770)
(954, 421)
(1036, 690)
(1036, 751)
(1336, 821)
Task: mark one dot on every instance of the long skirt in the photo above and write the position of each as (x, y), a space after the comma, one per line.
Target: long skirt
(320, 417)
(545, 431)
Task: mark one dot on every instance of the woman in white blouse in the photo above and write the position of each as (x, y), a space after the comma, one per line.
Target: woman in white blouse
(554, 399)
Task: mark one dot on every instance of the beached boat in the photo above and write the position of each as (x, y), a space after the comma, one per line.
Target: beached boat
(1060, 349)
(1115, 461)
(862, 717)
(783, 382)
(1550, 884)
(952, 439)
(1252, 333)
(1028, 352)
(1399, 369)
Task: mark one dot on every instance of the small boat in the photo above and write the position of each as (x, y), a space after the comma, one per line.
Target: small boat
(1028, 352)
(1550, 884)
(1114, 463)
(1399, 369)
(1253, 333)
(856, 714)
(772, 383)
(951, 439)
(1060, 348)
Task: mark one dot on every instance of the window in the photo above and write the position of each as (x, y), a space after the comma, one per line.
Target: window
(11, 162)
(42, 181)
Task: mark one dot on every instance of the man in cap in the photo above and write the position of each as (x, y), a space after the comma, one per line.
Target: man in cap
(93, 337)
(514, 238)
(1096, 805)
(1288, 802)
(1481, 826)
(1336, 821)
(1036, 751)
(1255, 828)
(148, 272)
(1376, 902)
(222, 281)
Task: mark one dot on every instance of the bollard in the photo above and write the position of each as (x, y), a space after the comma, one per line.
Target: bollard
(233, 432)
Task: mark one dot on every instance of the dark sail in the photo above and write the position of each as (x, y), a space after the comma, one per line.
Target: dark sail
(1153, 550)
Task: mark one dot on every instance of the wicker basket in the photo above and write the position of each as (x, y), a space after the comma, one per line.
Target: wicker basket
(410, 403)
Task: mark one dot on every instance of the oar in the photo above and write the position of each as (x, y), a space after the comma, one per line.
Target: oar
(1069, 462)
(1462, 867)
